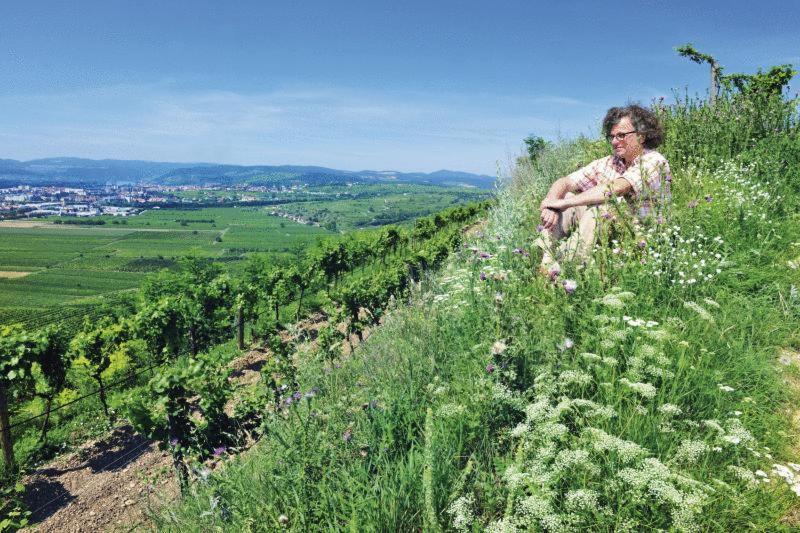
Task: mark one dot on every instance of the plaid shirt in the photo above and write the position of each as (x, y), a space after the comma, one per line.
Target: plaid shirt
(648, 174)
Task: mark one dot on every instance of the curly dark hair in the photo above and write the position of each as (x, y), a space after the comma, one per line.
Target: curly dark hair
(644, 121)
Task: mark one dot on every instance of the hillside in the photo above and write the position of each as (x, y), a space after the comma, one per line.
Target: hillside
(70, 170)
(637, 396)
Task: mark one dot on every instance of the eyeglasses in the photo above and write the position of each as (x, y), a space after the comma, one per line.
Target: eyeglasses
(620, 136)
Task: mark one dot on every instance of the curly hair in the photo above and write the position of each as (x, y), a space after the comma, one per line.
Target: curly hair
(644, 121)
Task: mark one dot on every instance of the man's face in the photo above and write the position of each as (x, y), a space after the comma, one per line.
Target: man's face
(630, 146)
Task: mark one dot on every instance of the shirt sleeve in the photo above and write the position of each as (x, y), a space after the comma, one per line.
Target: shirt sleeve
(585, 178)
(646, 176)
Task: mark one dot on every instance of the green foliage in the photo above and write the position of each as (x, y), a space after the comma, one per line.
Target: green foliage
(770, 83)
(13, 514)
(183, 408)
(535, 145)
(185, 311)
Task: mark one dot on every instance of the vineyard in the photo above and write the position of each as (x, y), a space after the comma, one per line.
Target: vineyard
(52, 377)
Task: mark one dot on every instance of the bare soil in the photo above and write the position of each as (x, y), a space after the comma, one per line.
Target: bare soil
(11, 274)
(106, 485)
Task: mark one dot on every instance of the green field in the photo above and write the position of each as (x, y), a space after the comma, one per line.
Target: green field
(70, 267)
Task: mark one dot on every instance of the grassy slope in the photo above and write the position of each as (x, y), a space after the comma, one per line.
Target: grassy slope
(469, 409)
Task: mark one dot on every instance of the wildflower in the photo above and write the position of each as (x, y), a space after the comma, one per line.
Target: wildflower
(645, 390)
(498, 298)
(219, 451)
(173, 441)
(570, 285)
(539, 228)
(692, 204)
(461, 511)
(498, 347)
(482, 276)
(283, 519)
(725, 388)
(347, 435)
(297, 396)
(690, 451)
(709, 198)
(485, 255)
(520, 251)
(705, 315)
(642, 243)
(490, 368)
(566, 344)
(669, 409)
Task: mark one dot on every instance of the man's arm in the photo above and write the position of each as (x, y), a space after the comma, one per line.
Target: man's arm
(594, 196)
(557, 191)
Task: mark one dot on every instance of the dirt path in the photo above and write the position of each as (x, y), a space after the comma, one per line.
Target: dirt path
(106, 485)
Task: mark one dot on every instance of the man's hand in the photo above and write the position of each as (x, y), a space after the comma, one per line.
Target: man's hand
(554, 204)
(549, 218)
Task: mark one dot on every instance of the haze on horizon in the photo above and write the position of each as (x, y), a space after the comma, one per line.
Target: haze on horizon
(411, 87)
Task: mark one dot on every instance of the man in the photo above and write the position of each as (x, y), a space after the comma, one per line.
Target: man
(635, 170)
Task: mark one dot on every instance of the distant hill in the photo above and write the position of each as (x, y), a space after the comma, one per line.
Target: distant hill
(72, 170)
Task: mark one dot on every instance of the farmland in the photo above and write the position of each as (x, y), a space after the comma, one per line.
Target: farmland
(51, 271)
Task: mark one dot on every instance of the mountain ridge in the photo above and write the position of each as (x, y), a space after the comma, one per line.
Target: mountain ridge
(74, 170)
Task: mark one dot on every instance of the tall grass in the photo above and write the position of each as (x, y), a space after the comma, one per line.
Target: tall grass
(648, 398)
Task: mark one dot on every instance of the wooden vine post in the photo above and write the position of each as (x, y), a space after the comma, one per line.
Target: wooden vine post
(5, 432)
(693, 54)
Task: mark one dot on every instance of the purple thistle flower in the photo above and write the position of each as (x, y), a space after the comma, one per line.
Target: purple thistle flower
(554, 272)
(296, 396)
(539, 228)
(709, 198)
(642, 243)
(518, 250)
(219, 451)
(347, 435)
(490, 368)
(173, 441)
(570, 285)
(485, 255)
(607, 215)
(287, 402)
(482, 276)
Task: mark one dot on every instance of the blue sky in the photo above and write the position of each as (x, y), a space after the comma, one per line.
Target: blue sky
(353, 85)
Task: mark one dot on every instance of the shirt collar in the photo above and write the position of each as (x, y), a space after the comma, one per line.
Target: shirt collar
(619, 163)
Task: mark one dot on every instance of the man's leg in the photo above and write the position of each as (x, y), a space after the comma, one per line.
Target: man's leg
(549, 240)
(581, 240)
